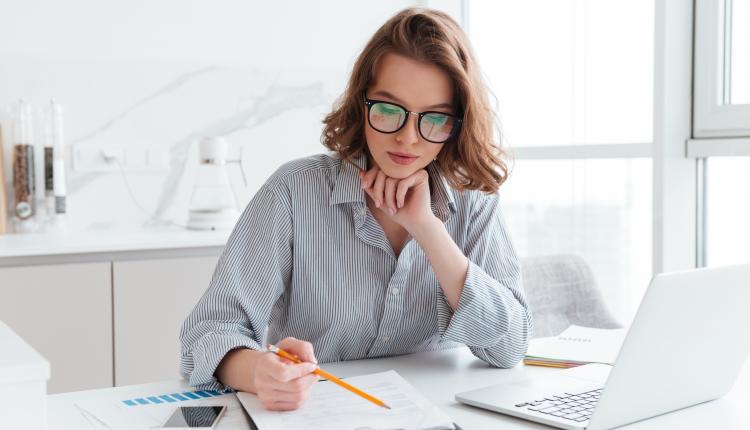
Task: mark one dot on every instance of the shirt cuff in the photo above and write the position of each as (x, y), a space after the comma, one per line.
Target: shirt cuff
(481, 316)
(209, 351)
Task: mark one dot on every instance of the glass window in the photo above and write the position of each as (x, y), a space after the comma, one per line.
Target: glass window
(568, 72)
(740, 52)
(728, 211)
(598, 209)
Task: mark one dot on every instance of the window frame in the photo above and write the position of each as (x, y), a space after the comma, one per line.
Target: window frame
(713, 118)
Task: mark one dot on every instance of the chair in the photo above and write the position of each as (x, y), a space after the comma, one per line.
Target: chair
(561, 291)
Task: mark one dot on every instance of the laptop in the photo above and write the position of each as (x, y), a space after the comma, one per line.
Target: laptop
(687, 343)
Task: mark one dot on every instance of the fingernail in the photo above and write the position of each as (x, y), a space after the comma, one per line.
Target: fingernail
(400, 205)
(377, 203)
(312, 367)
(392, 211)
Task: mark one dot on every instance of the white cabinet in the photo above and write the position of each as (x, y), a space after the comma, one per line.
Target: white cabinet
(63, 311)
(23, 383)
(151, 299)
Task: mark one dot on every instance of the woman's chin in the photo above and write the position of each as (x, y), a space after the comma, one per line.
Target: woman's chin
(396, 171)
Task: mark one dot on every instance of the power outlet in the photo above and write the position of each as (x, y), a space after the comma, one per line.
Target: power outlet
(111, 158)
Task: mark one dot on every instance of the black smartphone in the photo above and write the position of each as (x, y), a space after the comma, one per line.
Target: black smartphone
(194, 417)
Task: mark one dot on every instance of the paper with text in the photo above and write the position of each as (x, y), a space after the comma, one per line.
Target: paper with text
(580, 345)
(332, 407)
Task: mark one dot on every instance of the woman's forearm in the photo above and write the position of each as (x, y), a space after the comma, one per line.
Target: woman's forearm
(237, 369)
(446, 258)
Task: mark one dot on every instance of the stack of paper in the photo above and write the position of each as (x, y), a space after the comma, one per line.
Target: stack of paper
(332, 407)
(576, 346)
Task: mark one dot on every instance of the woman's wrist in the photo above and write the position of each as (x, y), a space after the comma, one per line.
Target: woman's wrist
(237, 369)
(428, 227)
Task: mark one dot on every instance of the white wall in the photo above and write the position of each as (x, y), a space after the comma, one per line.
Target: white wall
(262, 74)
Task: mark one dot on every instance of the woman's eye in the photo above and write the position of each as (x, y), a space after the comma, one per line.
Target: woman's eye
(436, 119)
(385, 109)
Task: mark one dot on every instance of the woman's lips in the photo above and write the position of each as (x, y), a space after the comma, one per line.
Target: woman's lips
(402, 158)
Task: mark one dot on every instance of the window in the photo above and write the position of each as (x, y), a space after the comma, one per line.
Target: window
(722, 68)
(721, 131)
(728, 214)
(740, 52)
(598, 209)
(583, 69)
(573, 81)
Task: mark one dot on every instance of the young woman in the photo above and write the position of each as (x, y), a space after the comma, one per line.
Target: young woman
(391, 244)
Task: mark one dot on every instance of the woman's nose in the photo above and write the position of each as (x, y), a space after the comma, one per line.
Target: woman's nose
(409, 134)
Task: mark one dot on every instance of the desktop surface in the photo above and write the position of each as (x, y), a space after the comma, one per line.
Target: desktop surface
(438, 375)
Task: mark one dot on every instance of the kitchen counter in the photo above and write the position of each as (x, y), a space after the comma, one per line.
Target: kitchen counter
(102, 245)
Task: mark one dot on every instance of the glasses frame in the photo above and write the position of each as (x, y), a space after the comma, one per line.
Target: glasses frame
(456, 125)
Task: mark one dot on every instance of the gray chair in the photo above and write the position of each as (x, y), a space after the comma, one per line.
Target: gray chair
(561, 291)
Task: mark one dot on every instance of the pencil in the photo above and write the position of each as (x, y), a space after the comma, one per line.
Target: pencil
(281, 353)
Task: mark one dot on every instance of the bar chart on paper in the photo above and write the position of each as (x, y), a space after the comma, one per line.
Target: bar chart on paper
(152, 410)
(175, 397)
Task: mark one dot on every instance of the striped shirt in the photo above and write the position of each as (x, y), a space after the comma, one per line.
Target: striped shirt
(308, 259)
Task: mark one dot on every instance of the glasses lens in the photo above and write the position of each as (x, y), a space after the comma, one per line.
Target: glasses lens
(436, 127)
(386, 117)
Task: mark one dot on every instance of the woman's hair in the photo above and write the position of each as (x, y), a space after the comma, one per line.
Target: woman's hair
(471, 160)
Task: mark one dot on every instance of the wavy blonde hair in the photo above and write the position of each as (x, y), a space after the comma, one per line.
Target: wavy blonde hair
(471, 160)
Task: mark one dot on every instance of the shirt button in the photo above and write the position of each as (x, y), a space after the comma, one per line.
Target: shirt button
(385, 338)
(394, 291)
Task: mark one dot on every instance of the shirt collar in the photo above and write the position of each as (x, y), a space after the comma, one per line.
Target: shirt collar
(347, 188)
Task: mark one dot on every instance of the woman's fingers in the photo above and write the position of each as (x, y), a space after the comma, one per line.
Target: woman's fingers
(282, 385)
(282, 406)
(378, 188)
(401, 190)
(368, 177)
(389, 195)
(300, 348)
(297, 385)
(276, 400)
(406, 184)
(284, 371)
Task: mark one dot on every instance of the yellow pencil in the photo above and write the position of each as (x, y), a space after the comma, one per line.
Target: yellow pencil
(291, 357)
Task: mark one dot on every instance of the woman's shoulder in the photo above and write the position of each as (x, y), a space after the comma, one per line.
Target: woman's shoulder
(305, 169)
(472, 200)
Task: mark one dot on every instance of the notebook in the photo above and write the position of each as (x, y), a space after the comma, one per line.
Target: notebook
(332, 407)
(575, 346)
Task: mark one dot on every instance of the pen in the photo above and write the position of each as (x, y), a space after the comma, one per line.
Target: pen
(281, 353)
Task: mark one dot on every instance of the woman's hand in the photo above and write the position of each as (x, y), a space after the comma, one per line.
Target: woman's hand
(282, 385)
(406, 201)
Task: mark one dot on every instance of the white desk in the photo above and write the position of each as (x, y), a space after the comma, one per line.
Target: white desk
(439, 375)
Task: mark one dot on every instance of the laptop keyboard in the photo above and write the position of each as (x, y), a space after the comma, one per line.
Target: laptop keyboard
(576, 407)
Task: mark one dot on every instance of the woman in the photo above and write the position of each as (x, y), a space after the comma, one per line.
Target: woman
(392, 244)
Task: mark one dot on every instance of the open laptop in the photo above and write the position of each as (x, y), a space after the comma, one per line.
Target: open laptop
(686, 345)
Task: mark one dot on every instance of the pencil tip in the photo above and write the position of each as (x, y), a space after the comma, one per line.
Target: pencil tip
(386, 406)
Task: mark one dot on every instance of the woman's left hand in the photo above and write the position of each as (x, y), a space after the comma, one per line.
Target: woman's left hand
(406, 201)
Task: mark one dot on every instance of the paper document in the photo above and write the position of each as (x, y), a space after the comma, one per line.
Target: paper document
(332, 407)
(116, 414)
(577, 345)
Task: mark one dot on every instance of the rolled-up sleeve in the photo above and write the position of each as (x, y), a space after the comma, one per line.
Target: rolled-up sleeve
(249, 278)
(492, 317)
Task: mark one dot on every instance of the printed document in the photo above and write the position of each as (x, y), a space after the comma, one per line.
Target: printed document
(333, 407)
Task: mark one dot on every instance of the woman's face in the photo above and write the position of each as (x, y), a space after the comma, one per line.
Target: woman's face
(418, 87)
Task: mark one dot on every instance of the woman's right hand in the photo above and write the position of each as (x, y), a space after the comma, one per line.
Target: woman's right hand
(280, 384)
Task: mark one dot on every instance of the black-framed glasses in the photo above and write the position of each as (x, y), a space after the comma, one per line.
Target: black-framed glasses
(433, 126)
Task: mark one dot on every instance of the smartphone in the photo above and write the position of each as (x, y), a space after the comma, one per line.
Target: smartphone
(194, 417)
